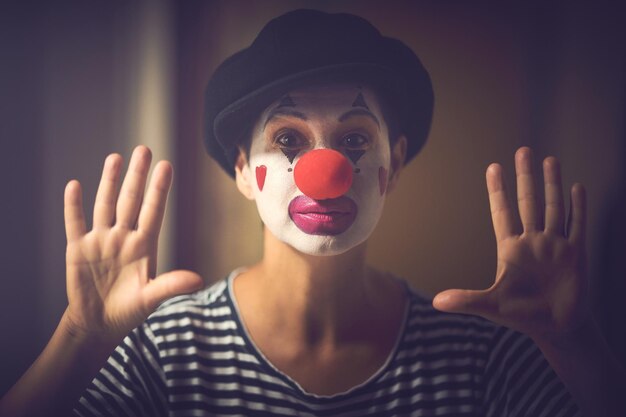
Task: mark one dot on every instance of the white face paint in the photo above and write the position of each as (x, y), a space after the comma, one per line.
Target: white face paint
(340, 117)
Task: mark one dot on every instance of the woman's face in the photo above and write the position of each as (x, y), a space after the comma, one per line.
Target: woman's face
(318, 167)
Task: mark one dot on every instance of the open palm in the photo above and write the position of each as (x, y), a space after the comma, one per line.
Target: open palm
(111, 283)
(540, 285)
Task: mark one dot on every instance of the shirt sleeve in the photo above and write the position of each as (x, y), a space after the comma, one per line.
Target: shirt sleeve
(520, 382)
(131, 383)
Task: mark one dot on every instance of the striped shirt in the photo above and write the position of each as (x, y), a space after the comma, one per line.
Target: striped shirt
(193, 357)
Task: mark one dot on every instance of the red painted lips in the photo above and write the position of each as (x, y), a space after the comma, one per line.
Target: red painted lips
(322, 217)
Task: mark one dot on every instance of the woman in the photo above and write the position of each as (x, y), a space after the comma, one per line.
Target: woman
(315, 121)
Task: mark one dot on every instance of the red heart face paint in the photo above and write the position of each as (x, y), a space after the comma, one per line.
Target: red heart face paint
(261, 172)
(382, 180)
(333, 201)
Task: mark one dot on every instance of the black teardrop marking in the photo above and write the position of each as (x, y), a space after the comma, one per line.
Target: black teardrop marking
(359, 101)
(355, 155)
(289, 169)
(286, 101)
(357, 170)
(290, 154)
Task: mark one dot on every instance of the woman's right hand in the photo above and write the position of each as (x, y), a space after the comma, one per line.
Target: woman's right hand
(111, 283)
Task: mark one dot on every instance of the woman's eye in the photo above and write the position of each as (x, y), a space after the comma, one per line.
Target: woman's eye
(288, 140)
(354, 141)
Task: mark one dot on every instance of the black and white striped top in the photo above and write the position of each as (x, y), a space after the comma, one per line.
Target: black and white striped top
(193, 357)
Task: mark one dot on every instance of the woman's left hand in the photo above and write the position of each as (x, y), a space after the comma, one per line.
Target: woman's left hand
(540, 287)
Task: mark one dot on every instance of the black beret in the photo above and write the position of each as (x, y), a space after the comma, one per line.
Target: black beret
(300, 47)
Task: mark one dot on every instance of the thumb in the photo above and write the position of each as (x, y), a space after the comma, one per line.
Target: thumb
(171, 284)
(474, 302)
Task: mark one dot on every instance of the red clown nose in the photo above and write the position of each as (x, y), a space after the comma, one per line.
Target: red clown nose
(323, 173)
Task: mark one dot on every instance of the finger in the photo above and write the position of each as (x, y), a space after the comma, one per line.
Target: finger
(131, 193)
(106, 197)
(153, 208)
(554, 216)
(479, 303)
(578, 215)
(526, 195)
(73, 211)
(501, 215)
(170, 284)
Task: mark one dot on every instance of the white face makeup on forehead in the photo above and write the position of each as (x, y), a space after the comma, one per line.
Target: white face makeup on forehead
(318, 167)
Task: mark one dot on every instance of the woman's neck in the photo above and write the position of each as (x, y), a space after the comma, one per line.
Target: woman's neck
(329, 322)
(315, 299)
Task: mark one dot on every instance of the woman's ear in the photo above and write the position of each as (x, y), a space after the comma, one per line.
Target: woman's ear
(242, 175)
(398, 155)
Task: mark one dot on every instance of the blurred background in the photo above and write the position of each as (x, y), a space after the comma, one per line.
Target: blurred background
(79, 80)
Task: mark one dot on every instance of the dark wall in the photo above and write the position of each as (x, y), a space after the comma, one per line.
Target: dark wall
(61, 112)
(21, 79)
